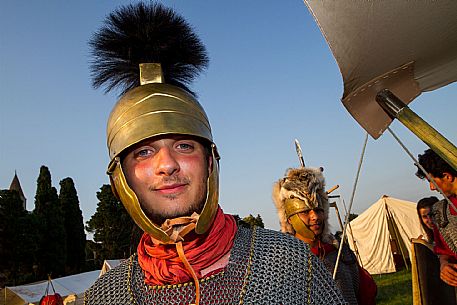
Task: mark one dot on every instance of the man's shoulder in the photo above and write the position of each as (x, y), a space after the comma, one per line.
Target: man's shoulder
(111, 286)
(275, 242)
(287, 264)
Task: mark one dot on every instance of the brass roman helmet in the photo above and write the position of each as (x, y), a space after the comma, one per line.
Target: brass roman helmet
(156, 100)
(301, 189)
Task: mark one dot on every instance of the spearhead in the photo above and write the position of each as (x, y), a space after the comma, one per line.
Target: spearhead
(299, 153)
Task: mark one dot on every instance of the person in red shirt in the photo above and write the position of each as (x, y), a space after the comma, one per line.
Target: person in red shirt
(444, 213)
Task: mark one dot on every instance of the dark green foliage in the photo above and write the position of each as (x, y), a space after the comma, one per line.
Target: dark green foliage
(112, 227)
(50, 228)
(254, 221)
(352, 216)
(17, 240)
(74, 227)
(93, 261)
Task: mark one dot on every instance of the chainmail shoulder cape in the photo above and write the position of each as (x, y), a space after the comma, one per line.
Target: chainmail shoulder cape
(447, 223)
(265, 267)
(347, 277)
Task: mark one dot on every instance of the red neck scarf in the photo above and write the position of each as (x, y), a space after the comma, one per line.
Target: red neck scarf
(321, 249)
(161, 263)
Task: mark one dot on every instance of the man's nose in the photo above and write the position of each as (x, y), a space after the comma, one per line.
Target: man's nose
(165, 162)
(312, 215)
(432, 186)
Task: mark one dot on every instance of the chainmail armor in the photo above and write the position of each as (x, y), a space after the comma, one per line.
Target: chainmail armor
(265, 267)
(447, 223)
(347, 276)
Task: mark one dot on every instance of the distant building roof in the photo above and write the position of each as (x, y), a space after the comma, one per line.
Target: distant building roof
(16, 186)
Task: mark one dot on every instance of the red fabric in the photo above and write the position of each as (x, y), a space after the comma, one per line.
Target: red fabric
(322, 249)
(453, 199)
(51, 299)
(441, 247)
(367, 288)
(162, 265)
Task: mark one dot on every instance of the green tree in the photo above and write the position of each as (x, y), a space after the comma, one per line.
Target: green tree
(112, 226)
(11, 211)
(17, 240)
(254, 221)
(74, 227)
(352, 216)
(51, 240)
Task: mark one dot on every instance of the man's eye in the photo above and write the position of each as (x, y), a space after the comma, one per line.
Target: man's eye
(144, 152)
(184, 146)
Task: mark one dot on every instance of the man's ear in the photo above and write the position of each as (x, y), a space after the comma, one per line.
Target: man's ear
(448, 176)
(210, 164)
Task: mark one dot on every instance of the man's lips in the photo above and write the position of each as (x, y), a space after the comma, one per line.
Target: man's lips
(170, 188)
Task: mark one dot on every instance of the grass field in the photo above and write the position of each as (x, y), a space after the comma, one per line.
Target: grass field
(394, 288)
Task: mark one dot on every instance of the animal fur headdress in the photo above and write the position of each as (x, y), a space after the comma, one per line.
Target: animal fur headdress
(306, 184)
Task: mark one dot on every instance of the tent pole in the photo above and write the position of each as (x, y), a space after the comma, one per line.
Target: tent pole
(333, 205)
(396, 109)
(346, 219)
(355, 245)
(399, 241)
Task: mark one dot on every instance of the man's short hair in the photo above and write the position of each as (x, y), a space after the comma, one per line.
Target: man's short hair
(434, 165)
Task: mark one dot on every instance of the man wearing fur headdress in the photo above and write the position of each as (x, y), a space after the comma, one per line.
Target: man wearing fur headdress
(165, 167)
(302, 205)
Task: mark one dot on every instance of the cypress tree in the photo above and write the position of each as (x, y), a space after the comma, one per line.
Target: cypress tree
(51, 241)
(74, 227)
(112, 226)
(12, 215)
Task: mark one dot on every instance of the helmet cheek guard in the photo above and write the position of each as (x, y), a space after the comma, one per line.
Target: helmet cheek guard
(212, 196)
(294, 206)
(150, 110)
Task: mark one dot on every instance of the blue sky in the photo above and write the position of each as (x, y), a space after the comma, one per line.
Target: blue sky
(271, 79)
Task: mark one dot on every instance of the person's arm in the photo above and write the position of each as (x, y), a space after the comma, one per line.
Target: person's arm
(448, 271)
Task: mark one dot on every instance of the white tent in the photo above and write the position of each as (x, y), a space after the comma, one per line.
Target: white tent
(71, 288)
(382, 234)
(109, 264)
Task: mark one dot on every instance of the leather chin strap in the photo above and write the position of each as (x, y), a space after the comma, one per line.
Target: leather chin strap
(177, 229)
(186, 263)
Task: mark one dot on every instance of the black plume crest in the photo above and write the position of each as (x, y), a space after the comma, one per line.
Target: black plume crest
(145, 33)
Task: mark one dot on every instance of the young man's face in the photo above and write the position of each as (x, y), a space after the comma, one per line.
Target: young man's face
(168, 175)
(447, 183)
(314, 220)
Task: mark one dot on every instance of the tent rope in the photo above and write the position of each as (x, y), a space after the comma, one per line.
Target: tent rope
(429, 177)
(346, 220)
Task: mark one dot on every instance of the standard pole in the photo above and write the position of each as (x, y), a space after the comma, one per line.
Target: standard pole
(396, 109)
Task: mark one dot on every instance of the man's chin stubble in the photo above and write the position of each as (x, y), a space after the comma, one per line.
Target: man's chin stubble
(160, 219)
